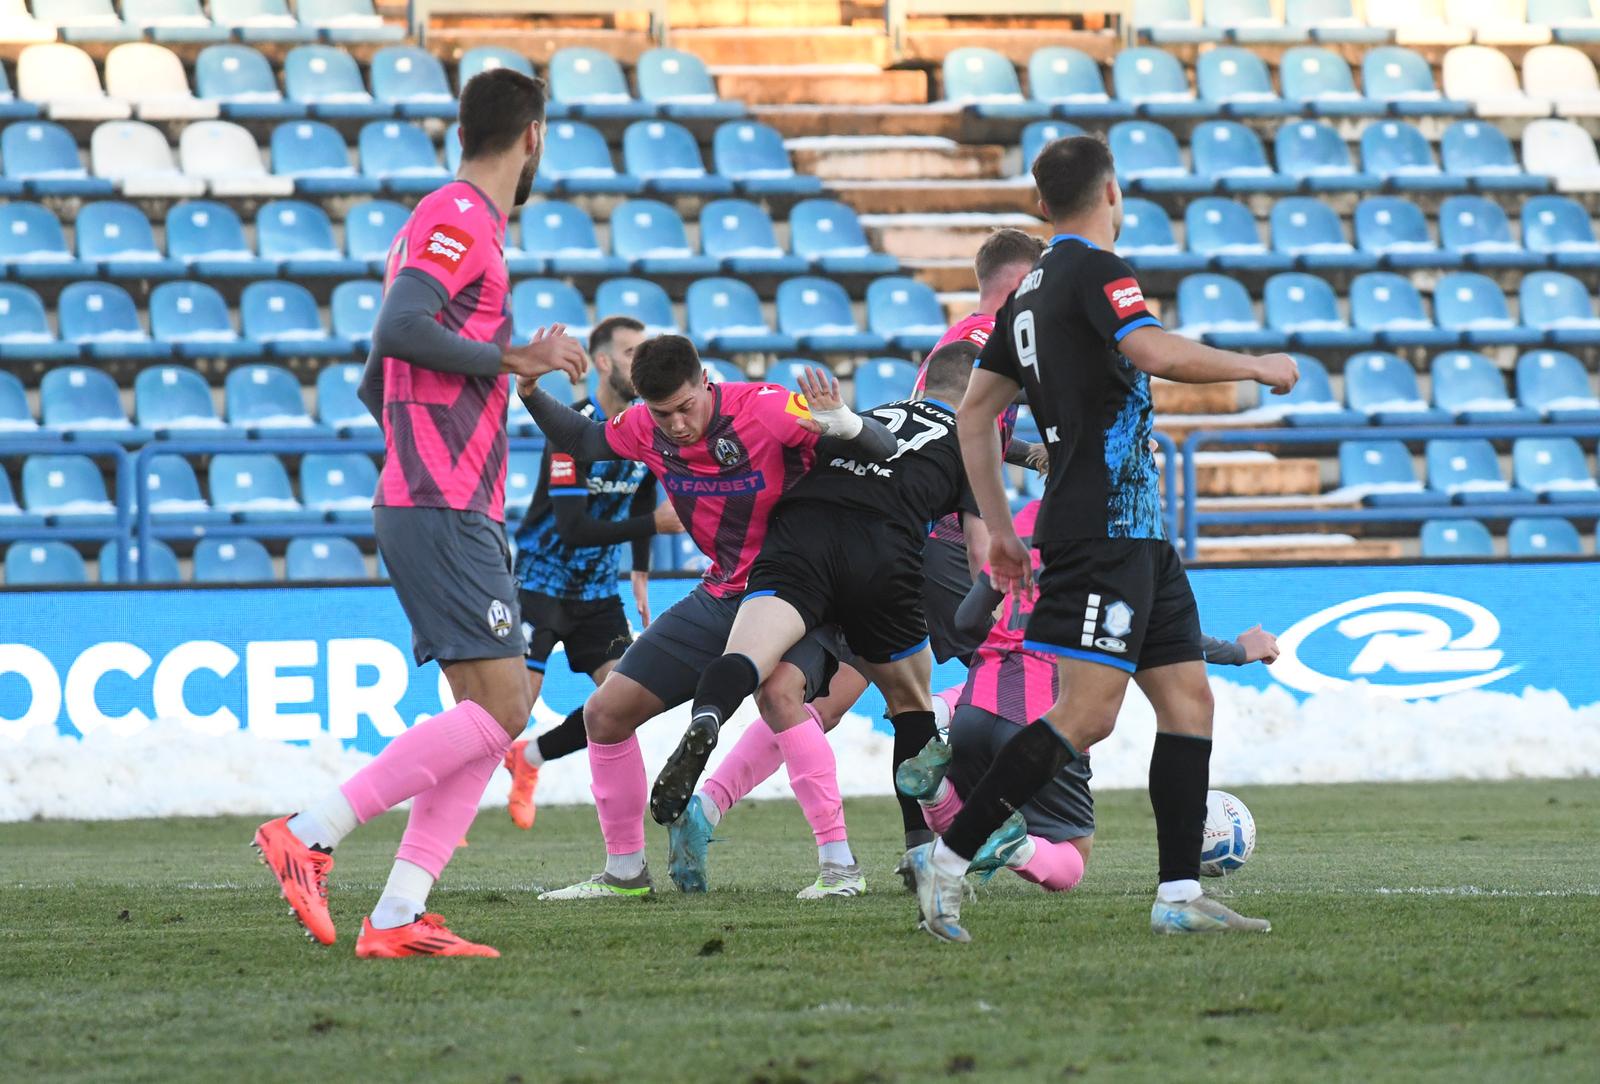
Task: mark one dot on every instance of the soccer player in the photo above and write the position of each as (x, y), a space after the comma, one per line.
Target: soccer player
(569, 547)
(725, 453)
(1114, 601)
(436, 380)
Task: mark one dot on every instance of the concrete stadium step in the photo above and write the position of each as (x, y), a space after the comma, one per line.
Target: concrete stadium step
(995, 195)
(1297, 548)
(932, 119)
(721, 14)
(821, 84)
(1171, 397)
(894, 158)
(1255, 474)
(1179, 426)
(921, 236)
(789, 44)
(537, 42)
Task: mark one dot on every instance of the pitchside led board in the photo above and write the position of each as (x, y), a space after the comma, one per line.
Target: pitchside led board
(289, 664)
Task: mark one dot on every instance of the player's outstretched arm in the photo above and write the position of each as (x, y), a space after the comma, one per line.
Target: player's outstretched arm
(1173, 357)
(1253, 645)
(987, 395)
(976, 614)
(565, 429)
(842, 430)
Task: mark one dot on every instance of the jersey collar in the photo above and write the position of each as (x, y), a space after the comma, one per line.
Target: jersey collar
(939, 403)
(1058, 238)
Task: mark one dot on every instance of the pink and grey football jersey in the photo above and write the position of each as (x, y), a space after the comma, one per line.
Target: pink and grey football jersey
(1006, 679)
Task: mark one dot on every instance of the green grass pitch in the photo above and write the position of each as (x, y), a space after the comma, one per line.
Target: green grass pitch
(158, 951)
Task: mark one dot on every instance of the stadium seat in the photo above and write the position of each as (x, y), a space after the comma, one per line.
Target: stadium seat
(677, 553)
(1147, 240)
(340, 485)
(1148, 159)
(261, 21)
(1481, 153)
(666, 157)
(175, 494)
(651, 236)
(1381, 473)
(817, 313)
(1404, 80)
(1171, 22)
(1311, 232)
(829, 235)
(883, 380)
(101, 318)
(1316, 156)
(152, 79)
(32, 245)
(354, 307)
(63, 81)
(1541, 536)
(577, 160)
(314, 156)
(328, 83)
(1456, 538)
(19, 27)
(1479, 230)
(641, 299)
(1469, 471)
(1319, 80)
(163, 563)
(314, 559)
(1562, 151)
(411, 82)
(1384, 388)
(1230, 156)
(1558, 229)
(1304, 308)
(353, 21)
(401, 156)
(484, 58)
(1312, 402)
(1156, 85)
(1388, 307)
(739, 234)
(1250, 21)
(1570, 21)
(299, 237)
(242, 84)
(786, 372)
(718, 371)
(1554, 468)
(1040, 133)
(266, 400)
(1556, 384)
(1217, 309)
(25, 333)
(135, 157)
(1470, 386)
(986, 85)
(1563, 76)
(1237, 84)
(1397, 152)
(1332, 21)
(1495, 22)
(1225, 232)
(724, 316)
(338, 406)
(118, 238)
(16, 416)
(232, 560)
(753, 156)
(522, 478)
(1474, 306)
(537, 303)
(370, 228)
(78, 401)
(1394, 230)
(66, 489)
(253, 487)
(284, 316)
(226, 157)
(172, 21)
(590, 83)
(1485, 77)
(40, 564)
(173, 400)
(906, 312)
(85, 20)
(11, 513)
(565, 236)
(676, 84)
(1559, 306)
(1070, 83)
(1417, 22)
(194, 318)
(41, 159)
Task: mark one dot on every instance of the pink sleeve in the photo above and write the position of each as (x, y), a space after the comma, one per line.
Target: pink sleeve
(622, 432)
(783, 416)
(452, 253)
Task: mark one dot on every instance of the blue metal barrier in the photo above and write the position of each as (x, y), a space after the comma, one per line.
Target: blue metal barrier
(118, 529)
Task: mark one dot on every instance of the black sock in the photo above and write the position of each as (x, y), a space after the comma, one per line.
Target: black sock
(724, 685)
(1180, 772)
(1022, 767)
(565, 739)
(912, 731)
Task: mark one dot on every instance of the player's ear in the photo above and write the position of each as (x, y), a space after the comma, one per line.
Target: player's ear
(1044, 211)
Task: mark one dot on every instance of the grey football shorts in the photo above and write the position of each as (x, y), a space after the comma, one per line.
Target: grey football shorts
(946, 579)
(1062, 810)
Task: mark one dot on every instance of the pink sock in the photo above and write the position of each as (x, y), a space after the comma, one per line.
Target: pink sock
(441, 815)
(620, 793)
(940, 813)
(753, 759)
(814, 775)
(423, 756)
(1056, 866)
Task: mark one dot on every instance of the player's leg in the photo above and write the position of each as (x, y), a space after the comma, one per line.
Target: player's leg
(946, 579)
(904, 685)
(541, 627)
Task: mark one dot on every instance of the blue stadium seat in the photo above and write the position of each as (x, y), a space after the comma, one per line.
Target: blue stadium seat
(118, 238)
(1559, 306)
(1312, 402)
(677, 553)
(817, 313)
(338, 406)
(1332, 21)
(1388, 307)
(241, 81)
(41, 158)
(786, 371)
(370, 228)
(1237, 84)
(1148, 159)
(652, 237)
(266, 400)
(986, 85)
(1315, 155)
(194, 318)
(739, 234)
(299, 236)
(906, 312)
(1229, 155)
(1469, 471)
(25, 333)
(1557, 228)
(317, 559)
(1383, 386)
(1393, 229)
(519, 423)
(1382, 473)
(1070, 83)
(1556, 384)
(328, 83)
(38, 564)
(1542, 536)
(254, 488)
(537, 303)
(1482, 154)
(1397, 152)
(829, 235)
(1225, 233)
(1155, 83)
(883, 380)
(261, 21)
(577, 160)
(101, 318)
(16, 416)
(1473, 305)
(173, 400)
(484, 58)
(354, 307)
(401, 156)
(676, 84)
(666, 157)
(175, 496)
(1321, 80)
(1171, 22)
(753, 156)
(1405, 80)
(1456, 538)
(232, 560)
(522, 478)
(1217, 310)
(1478, 229)
(719, 371)
(86, 20)
(32, 245)
(1554, 468)
(452, 158)
(724, 316)
(1041, 133)
(1148, 243)
(565, 235)
(13, 108)
(412, 82)
(351, 21)
(209, 238)
(641, 299)
(11, 513)
(1471, 387)
(339, 485)
(83, 402)
(284, 316)
(1310, 231)
(1571, 22)
(314, 155)
(590, 83)
(66, 489)
(1303, 307)
(1250, 20)
(163, 562)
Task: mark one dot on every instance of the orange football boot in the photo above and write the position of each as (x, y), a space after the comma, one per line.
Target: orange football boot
(427, 936)
(302, 875)
(524, 777)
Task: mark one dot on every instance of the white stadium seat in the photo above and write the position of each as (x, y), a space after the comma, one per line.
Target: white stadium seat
(1485, 77)
(18, 27)
(1496, 22)
(152, 78)
(1561, 150)
(1566, 76)
(136, 156)
(226, 157)
(63, 80)
(1417, 22)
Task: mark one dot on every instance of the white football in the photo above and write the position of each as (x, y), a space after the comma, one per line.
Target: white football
(1230, 834)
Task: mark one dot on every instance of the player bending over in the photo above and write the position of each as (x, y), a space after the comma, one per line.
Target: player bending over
(725, 453)
(1114, 601)
(435, 380)
(568, 549)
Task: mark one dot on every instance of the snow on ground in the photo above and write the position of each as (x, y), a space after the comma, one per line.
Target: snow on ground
(1263, 736)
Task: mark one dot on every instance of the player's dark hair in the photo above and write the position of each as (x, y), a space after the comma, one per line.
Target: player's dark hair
(1003, 248)
(663, 365)
(950, 368)
(607, 329)
(1069, 173)
(496, 108)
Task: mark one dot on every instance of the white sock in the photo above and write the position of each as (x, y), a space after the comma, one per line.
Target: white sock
(836, 853)
(625, 867)
(1178, 891)
(941, 715)
(531, 753)
(326, 823)
(405, 896)
(947, 861)
(940, 793)
(711, 810)
(1024, 852)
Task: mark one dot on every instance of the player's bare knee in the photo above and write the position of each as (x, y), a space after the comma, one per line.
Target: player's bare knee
(782, 698)
(605, 720)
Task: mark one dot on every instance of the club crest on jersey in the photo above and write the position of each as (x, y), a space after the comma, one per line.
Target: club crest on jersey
(726, 450)
(1126, 296)
(446, 246)
(499, 619)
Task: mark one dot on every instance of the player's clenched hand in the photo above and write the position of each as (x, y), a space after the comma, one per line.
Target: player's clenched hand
(667, 521)
(1259, 645)
(641, 596)
(1280, 372)
(550, 350)
(1039, 458)
(1010, 564)
(821, 390)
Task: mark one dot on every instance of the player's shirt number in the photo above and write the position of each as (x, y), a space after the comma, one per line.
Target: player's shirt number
(1022, 337)
(894, 419)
